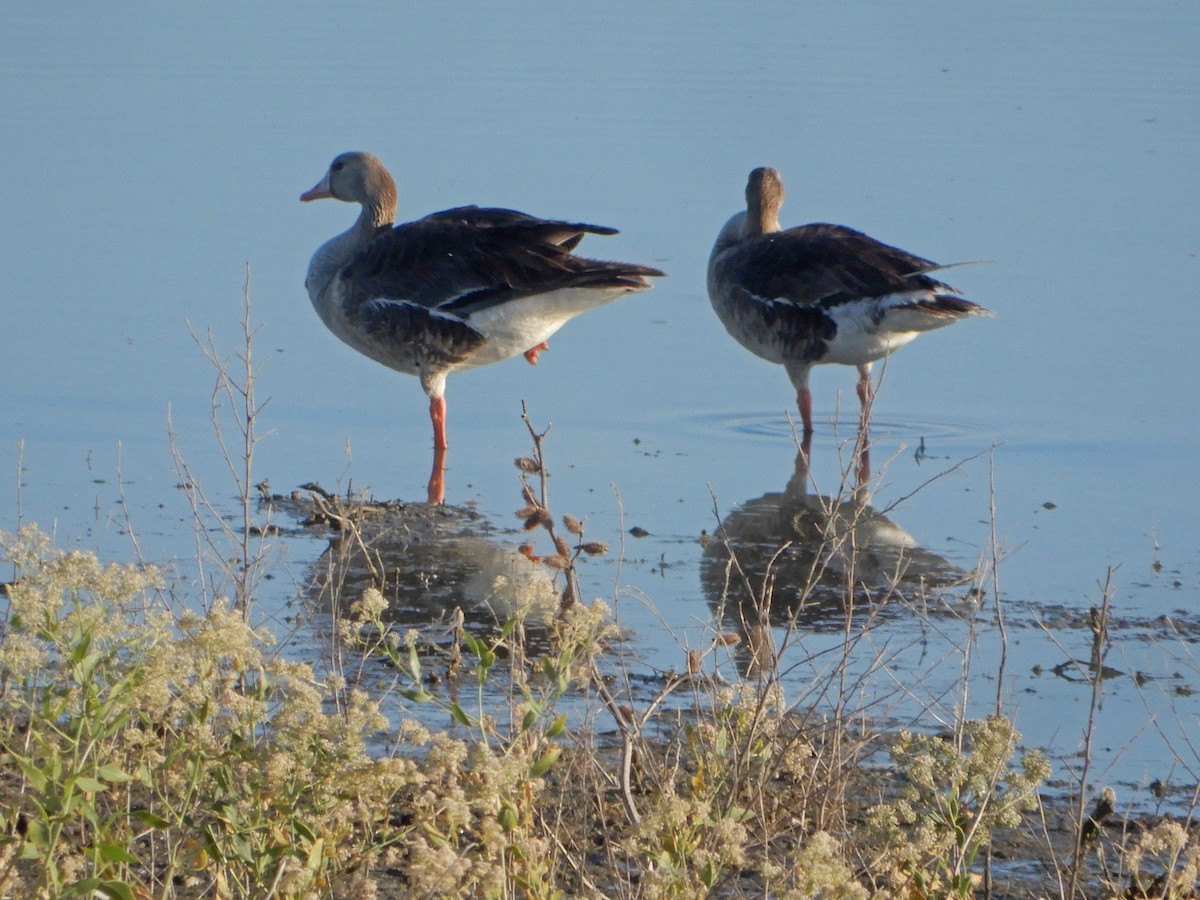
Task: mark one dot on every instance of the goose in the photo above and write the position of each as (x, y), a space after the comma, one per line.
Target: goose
(821, 293)
(460, 288)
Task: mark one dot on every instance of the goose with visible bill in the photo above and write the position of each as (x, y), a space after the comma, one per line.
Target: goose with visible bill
(457, 289)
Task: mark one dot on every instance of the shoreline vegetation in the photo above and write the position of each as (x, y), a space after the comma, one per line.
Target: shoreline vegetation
(158, 745)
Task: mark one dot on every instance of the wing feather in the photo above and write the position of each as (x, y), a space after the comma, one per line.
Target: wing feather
(827, 265)
(465, 259)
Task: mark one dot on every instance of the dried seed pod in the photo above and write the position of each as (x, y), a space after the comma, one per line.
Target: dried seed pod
(561, 546)
(557, 561)
(694, 660)
(594, 548)
(573, 525)
(729, 638)
(527, 495)
(526, 550)
(534, 516)
(525, 464)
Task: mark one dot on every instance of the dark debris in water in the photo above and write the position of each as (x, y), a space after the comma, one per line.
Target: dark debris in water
(1180, 625)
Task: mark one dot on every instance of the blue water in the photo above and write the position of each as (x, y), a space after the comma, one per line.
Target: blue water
(149, 157)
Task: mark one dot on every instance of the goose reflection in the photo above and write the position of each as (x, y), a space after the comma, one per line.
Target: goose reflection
(429, 561)
(796, 557)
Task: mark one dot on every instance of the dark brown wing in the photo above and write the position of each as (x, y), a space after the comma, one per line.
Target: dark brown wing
(826, 264)
(464, 259)
(494, 217)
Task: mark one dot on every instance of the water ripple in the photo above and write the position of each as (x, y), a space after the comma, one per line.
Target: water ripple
(773, 424)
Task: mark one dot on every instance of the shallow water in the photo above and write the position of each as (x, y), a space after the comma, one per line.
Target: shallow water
(146, 164)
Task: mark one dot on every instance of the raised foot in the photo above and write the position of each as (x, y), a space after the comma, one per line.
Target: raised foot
(531, 355)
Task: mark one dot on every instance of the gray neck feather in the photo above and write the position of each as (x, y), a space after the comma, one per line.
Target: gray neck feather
(332, 256)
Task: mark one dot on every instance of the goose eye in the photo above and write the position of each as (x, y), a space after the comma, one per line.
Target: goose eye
(338, 166)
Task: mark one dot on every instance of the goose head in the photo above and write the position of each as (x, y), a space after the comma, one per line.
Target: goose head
(361, 178)
(764, 198)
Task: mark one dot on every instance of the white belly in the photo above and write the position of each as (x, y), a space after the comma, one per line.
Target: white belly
(514, 327)
(859, 340)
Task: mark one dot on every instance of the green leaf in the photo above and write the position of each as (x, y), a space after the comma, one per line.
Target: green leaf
(88, 811)
(90, 785)
(242, 848)
(547, 761)
(80, 643)
(194, 768)
(148, 818)
(91, 887)
(115, 853)
(86, 667)
(507, 818)
(316, 855)
(114, 774)
(118, 889)
(556, 728)
(417, 695)
(414, 664)
(85, 887)
(460, 716)
(34, 775)
(302, 828)
(71, 799)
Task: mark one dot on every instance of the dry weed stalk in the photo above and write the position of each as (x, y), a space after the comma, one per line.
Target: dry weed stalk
(233, 392)
(1088, 826)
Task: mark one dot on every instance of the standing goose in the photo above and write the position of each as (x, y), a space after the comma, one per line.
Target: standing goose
(821, 293)
(457, 289)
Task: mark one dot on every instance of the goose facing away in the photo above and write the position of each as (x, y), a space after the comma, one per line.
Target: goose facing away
(821, 293)
(457, 289)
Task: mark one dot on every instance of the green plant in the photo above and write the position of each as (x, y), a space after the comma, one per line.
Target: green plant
(138, 748)
(956, 793)
(68, 696)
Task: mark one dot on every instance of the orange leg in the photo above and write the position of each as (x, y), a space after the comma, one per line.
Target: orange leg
(437, 415)
(804, 402)
(437, 477)
(531, 355)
